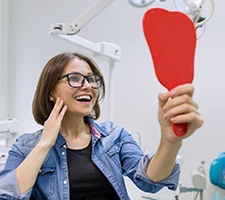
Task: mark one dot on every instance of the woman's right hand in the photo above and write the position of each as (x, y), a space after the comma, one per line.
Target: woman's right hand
(53, 124)
(37, 156)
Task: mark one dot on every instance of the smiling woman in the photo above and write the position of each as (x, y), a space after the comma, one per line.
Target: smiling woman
(73, 157)
(135, 101)
(47, 96)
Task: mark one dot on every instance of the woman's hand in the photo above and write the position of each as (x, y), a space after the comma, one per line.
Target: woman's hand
(53, 124)
(177, 106)
(36, 157)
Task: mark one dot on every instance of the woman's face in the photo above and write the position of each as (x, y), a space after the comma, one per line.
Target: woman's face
(80, 101)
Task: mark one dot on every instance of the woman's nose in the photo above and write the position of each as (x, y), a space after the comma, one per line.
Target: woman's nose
(86, 84)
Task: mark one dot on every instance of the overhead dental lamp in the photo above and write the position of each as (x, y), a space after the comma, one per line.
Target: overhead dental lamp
(194, 9)
(105, 51)
(140, 3)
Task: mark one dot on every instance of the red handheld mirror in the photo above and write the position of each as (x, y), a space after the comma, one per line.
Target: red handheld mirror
(171, 37)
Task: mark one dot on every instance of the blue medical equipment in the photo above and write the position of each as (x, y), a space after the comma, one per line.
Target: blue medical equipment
(217, 171)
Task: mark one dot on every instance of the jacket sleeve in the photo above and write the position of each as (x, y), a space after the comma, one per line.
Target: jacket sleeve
(8, 182)
(9, 187)
(142, 180)
(135, 166)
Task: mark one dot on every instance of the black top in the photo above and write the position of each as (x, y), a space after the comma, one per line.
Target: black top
(86, 181)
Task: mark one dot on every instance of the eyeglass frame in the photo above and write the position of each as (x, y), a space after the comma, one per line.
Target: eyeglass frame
(98, 78)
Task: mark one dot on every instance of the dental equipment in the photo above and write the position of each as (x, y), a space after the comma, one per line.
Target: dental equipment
(217, 171)
(76, 25)
(105, 51)
(198, 181)
(194, 8)
(199, 177)
(8, 131)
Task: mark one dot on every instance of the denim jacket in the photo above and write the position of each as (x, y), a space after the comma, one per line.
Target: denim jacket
(114, 151)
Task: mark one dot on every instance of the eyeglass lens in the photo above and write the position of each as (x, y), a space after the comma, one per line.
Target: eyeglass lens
(77, 80)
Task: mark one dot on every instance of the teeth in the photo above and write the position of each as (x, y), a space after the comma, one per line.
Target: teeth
(85, 97)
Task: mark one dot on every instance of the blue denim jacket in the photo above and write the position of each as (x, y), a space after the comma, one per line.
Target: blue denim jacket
(114, 151)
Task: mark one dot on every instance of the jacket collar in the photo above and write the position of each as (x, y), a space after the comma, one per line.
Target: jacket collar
(97, 132)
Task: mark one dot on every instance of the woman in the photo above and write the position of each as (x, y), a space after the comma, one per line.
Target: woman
(75, 158)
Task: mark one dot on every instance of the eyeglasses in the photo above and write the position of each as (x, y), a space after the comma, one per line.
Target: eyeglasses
(76, 80)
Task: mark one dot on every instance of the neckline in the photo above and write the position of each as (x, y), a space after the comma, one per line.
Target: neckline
(82, 149)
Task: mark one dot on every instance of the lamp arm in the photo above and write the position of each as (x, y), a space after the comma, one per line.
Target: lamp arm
(208, 18)
(196, 9)
(85, 17)
(192, 6)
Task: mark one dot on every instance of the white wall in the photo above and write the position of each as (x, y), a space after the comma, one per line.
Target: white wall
(4, 24)
(135, 102)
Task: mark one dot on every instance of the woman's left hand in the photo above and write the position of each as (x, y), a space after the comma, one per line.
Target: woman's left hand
(177, 106)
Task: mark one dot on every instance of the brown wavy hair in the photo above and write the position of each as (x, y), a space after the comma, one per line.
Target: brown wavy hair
(42, 106)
